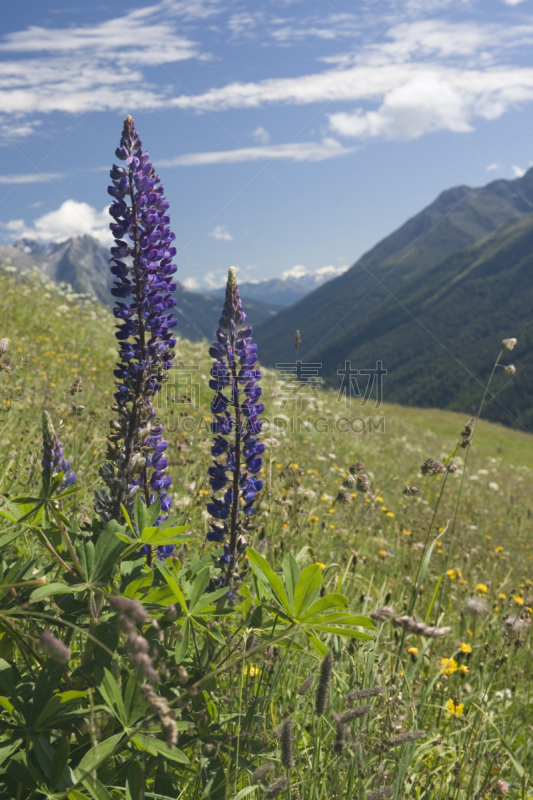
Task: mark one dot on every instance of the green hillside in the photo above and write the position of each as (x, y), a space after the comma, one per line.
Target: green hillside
(458, 218)
(436, 339)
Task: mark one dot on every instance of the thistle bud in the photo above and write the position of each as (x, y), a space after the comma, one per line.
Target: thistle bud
(362, 484)
(356, 468)
(349, 482)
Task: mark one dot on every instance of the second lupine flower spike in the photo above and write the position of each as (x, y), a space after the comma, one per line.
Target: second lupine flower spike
(53, 462)
(136, 462)
(236, 410)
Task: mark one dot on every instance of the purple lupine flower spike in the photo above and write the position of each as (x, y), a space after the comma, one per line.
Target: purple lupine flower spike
(53, 461)
(143, 268)
(236, 463)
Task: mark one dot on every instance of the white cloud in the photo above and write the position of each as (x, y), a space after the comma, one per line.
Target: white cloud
(428, 102)
(217, 278)
(261, 136)
(70, 219)
(492, 167)
(102, 66)
(33, 177)
(221, 233)
(432, 75)
(293, 151)
(512, 2)
(518, 172)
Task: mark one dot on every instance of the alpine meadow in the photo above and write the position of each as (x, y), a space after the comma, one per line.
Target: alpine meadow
(221, 583)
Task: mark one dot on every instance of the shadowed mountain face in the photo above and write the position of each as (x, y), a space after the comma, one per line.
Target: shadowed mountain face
(458, 218)
(84, 263)
(438, 337)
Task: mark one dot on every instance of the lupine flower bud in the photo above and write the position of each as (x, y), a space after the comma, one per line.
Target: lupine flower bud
(165, 716)
(143, 290)
(54, 648)
(509, 344)
(53, 462)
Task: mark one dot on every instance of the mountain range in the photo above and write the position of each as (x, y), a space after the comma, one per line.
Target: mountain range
(432, 301)
(83, 262)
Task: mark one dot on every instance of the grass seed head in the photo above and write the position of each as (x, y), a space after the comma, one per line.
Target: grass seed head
(276, 788)
(322, 690)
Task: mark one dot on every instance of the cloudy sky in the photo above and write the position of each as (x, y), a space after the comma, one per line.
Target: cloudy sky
(290, 135)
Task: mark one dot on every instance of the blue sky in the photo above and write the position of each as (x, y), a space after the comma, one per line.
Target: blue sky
(287, 133)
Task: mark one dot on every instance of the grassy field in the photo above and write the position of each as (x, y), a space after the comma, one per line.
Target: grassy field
(465, 536)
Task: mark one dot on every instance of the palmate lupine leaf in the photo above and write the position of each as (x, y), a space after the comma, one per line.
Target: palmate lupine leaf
(299, 604)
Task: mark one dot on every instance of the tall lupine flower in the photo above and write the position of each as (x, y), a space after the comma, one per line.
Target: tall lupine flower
(143, 269)
(53, 462)
(236, 450)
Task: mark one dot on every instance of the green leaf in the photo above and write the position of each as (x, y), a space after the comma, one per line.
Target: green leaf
(155, 536)
(145, 516)
(158, 748)
(248, 602)
(134, 781)
(332, 600)
(133, 589)
(269, 578)
(198, 588)
(61, 775)
(183, 646)
(110, 691)
(106, 553)
(342, 632)
(48, 680)
(172, 584)
(307, 588)
(96, 789)
(74, 794)
(291, 570)
(96, 756)
(8, 749)
(42, 592)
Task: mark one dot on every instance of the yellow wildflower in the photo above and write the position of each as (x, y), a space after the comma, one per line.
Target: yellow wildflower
(389, 514)
(465, 647)
(463, 669)
(413, 651)
(498, 549)
(454, 709)
(251, 670)
(452, 574)
(518, 600)
(481, 588)
(502, 596)
(313, 519)
(320, 564)
(448, 666)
